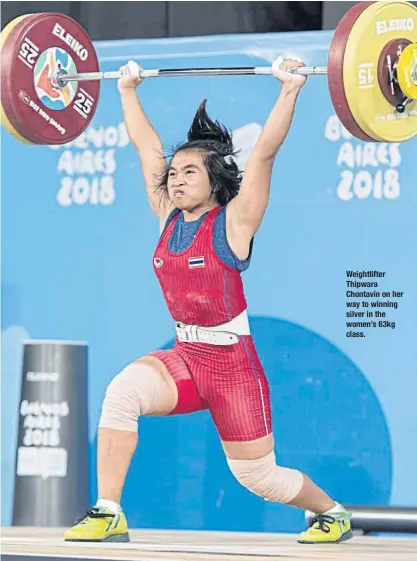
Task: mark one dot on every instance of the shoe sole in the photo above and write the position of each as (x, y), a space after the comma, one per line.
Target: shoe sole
(114, 538)
(347, 536)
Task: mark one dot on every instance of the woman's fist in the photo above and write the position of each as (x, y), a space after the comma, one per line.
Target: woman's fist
(283, 69)
(130, 76)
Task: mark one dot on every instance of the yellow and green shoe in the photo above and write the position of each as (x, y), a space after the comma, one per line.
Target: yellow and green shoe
(99, 525)
(326, 528)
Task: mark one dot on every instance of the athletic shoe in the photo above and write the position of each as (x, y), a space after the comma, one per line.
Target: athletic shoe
(326, 528)
(99, 525)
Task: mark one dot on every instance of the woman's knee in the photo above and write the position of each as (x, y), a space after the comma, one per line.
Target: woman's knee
(139, 389)
(265, 478)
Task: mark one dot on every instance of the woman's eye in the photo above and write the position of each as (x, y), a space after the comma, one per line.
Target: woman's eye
(190, 171)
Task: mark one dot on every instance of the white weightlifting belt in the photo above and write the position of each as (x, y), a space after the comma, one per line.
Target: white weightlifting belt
(224, 334)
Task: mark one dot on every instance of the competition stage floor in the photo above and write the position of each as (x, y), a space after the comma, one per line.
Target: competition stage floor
(39, 544)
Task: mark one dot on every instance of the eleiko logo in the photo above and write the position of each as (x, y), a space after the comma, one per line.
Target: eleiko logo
(42, 376)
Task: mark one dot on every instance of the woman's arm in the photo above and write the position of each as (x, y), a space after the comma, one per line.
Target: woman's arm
(245, 212)
(143, 137)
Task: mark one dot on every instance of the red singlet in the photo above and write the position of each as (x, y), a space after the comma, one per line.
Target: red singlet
(229, 381)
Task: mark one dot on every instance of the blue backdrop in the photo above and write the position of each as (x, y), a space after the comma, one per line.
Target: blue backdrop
(78, 238)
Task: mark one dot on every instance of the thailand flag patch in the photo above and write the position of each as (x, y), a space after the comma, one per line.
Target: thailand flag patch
(196, 262)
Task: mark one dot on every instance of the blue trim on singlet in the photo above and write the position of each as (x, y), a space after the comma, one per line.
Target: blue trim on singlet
(184, 233)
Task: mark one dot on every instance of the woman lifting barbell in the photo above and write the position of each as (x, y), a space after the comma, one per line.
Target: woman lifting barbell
(208, 216)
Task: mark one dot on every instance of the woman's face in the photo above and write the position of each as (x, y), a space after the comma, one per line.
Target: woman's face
(188, 182)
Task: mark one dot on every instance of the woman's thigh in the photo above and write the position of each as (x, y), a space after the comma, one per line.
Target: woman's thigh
(239, 404)
(178, 376)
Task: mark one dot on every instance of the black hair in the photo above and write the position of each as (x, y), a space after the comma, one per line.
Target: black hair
(215, 143)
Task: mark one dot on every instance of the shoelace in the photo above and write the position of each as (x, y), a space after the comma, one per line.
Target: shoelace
(94, 513)
(323, 521)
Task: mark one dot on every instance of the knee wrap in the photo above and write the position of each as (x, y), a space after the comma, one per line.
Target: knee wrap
(265, 479)
(133, 392)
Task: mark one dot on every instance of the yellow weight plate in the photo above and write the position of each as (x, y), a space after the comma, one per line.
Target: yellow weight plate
(407, 71)
(9, 127)
(375, 27)
(8, 29)
(4, 120)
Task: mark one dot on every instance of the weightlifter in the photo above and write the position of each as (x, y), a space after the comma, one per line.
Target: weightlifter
(208, 215)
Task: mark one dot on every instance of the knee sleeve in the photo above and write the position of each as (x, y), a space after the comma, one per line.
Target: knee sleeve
(133, 392)
(265, 479)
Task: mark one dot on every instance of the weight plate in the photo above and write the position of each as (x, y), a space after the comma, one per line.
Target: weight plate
(375, 27)
(5, 34)
(42, 112)
(386, 70)
(335, 71)
(407, 71)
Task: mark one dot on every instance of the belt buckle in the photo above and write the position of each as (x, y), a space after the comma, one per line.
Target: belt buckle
(188, 332)
(181, 332)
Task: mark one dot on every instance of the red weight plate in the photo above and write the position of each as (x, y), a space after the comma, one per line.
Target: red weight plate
(335, 70)
(389, 55)
(38, 111)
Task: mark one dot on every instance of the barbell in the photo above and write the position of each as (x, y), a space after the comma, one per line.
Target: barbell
(50, 76)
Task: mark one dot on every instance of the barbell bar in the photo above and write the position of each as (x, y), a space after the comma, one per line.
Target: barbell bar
(177, 72)
(51, 77)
